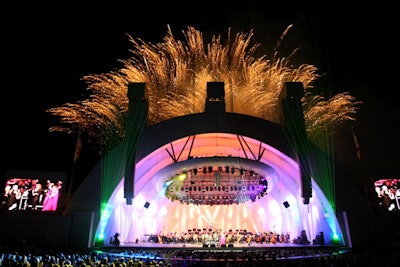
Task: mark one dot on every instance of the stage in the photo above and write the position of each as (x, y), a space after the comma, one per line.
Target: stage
(253, 245)
(284, 249)
(236, 251)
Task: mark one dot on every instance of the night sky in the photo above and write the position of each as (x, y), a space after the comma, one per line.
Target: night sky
(48, 49)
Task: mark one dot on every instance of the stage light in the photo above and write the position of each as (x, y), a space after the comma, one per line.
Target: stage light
(286, 204)
(206, 189)
(227, 169)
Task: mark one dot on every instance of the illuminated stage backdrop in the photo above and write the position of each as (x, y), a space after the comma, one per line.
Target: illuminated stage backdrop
(281, 210)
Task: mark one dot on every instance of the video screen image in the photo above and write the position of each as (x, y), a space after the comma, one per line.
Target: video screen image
(388, 193)
(22, 194)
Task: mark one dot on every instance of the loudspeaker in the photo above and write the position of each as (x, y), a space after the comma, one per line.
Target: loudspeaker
(146, 205)
(286, 204)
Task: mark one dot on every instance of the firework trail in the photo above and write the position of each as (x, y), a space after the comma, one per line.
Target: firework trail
(176, 74)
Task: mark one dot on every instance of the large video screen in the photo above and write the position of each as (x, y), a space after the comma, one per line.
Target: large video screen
(388, 194)
(40, 192)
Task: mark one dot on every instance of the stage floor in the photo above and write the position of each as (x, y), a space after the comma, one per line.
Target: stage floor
(254, 246)
(261, 251)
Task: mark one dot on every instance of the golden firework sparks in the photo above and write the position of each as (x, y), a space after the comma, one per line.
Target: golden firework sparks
(176, 74)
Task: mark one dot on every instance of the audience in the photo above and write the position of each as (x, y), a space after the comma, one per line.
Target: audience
(26, 256)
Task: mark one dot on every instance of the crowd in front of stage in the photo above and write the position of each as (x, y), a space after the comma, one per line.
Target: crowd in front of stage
(288, 257)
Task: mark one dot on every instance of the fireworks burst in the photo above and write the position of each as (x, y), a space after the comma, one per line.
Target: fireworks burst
(176, 74)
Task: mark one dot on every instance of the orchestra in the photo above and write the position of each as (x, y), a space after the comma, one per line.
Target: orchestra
(218, 237)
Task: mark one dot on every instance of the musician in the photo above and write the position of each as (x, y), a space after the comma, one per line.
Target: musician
(35, 193)
(249, 239)
(215, 237)
(195, 238)
(50, 201)
(229, 237)
(116, 241)
(14, 195)
(222, 239)
(207, 238)
(159, 238)
(273, 238)
(6, 196)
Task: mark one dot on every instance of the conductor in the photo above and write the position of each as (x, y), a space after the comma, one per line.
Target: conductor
(116, 240)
